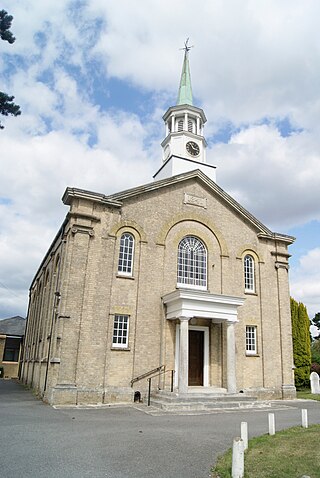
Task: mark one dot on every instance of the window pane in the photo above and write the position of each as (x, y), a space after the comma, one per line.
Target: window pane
(11, 351)
(251, 340)
(249, 273)
(192, 262)
(126, 254)
(120, 331)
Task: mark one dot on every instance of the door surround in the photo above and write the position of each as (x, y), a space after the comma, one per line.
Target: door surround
(204, 329)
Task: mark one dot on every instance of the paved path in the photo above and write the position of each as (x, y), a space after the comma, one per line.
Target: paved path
(38, 441)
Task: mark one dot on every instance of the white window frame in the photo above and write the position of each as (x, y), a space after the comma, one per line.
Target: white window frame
(118, 332)
(187, 267)
(126, 255)
(249, 273)
(251, 340)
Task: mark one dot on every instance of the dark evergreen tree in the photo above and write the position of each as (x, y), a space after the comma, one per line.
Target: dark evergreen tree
(316, 322)
(5, 25)
(315, 351)
(301, 343)
(7, 107)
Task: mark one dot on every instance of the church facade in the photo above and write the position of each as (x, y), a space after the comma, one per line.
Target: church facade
(173, 278)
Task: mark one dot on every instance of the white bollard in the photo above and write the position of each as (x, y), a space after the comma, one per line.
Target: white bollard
(304, 413)
(244, 434)
(272, 427)
(237, 458)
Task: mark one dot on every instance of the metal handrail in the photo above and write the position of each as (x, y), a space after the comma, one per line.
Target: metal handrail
(157, 375)
(140, 377)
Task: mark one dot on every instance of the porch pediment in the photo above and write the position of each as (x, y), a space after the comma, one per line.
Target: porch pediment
(201, 304)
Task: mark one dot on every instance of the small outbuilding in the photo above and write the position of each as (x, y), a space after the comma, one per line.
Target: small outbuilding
(12, 332)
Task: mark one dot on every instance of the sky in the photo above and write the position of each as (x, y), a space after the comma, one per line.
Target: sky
(93, 79)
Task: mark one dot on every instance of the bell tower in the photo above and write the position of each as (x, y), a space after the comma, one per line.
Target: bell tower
(184, 147)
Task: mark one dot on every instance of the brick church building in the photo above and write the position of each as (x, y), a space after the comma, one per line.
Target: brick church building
(173, 278)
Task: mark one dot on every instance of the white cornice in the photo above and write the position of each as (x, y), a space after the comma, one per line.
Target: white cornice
(115, 200)
(71, 193)
(201, 304)
(180, 109)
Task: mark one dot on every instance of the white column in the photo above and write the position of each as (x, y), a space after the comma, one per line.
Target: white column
(167, 128)
(184, 355)
(231, 359)
(186, 122)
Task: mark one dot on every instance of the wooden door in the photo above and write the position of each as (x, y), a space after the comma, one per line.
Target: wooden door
(196, 350)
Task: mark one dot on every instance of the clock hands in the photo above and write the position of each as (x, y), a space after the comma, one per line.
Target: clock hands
(193, 148)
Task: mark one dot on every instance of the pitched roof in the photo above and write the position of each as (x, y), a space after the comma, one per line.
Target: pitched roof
(13, 326)
(262, 229)
(117, 199)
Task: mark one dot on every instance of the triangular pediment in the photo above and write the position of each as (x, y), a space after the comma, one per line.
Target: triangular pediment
(261, 229)
(117, 199)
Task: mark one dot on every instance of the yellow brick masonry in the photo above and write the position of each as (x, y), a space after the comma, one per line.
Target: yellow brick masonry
(85, 367)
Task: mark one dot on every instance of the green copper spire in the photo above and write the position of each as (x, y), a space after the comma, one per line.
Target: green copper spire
(185, 89)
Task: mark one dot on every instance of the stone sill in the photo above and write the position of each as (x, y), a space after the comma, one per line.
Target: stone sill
(121, 349)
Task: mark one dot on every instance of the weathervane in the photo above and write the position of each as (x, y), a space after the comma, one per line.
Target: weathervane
(186, 48)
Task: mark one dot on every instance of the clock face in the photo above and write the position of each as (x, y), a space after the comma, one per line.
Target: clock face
(193, 148)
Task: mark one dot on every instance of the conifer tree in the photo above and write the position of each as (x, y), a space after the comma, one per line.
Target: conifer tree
(7, 107)
(301, 343)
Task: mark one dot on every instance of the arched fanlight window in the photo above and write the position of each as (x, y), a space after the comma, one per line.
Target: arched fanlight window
(125, 264)
(248, 264)
(192, 263)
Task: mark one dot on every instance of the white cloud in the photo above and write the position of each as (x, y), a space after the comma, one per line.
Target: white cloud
(305, 281)
(251, 60)
(275, 177)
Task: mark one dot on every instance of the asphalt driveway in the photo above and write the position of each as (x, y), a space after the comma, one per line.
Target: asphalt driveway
(40, 441)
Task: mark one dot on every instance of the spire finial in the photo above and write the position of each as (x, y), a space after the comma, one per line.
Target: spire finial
(185, 89)
(186, 48)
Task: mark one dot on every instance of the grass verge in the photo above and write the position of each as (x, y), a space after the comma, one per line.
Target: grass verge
(289, 453)
(306, 393)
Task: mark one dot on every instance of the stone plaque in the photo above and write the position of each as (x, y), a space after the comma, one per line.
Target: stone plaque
(195, 200)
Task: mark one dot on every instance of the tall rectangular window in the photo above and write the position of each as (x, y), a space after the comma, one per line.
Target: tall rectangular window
(249, 285)
(120, 331)
(251, 340)
(125, 263)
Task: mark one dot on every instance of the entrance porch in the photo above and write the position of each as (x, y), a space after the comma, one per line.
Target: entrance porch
(192, 362)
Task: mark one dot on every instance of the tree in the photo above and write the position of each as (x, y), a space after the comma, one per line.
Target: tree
(7, 107)
(5, 25)
(301, 343)
(316, 322)
(315, 351)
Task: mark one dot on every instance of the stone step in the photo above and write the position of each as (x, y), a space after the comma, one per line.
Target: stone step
(171, 397)
(170, 401)
(209, 406)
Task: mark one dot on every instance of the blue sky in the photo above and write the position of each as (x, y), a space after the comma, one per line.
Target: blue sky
(93, 79)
